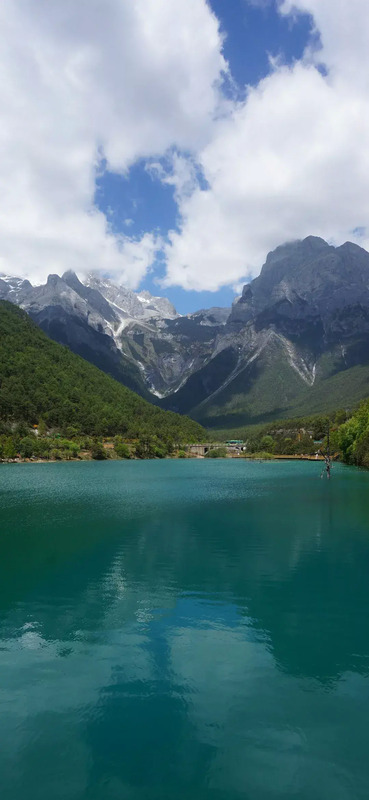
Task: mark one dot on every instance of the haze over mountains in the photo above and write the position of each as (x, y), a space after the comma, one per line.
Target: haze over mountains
(297, 341)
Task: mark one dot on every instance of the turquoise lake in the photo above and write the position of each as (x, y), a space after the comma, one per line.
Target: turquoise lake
(184, 630)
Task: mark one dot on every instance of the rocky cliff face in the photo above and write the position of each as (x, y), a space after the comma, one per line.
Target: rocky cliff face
(297, 337)
(77, 316)
(136, 337)
(305, 279)
(300, 324)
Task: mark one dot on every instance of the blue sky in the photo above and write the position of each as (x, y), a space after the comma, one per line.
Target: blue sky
(137, 202)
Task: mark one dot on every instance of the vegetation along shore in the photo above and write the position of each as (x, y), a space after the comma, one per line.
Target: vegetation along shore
(296, 439)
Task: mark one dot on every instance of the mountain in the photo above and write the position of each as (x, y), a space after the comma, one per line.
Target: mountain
(295, 342)
(83, 318)
(137, 338)
(132, 305)
(41, 379)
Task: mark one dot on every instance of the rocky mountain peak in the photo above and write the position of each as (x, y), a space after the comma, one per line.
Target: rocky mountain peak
(54, 280)
(161, 306)
(72, 280)
(291, 260)
(92, 296)
(310, 275)
(136, 305)
(352, 248)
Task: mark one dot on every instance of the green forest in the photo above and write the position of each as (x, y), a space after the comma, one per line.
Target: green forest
(73, 404)
(353, 437)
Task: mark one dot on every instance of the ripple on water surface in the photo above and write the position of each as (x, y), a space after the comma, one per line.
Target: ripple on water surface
(187, 629)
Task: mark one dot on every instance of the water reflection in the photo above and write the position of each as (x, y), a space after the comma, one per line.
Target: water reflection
(206, 642)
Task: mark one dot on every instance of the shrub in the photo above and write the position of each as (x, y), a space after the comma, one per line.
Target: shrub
(27, 446)
(98, 452)
(122, 450)
(267, 443)
(9, 450)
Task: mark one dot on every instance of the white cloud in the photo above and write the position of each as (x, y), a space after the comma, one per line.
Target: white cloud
(178, 171)
(140, 79)
(289, 161)
(129, 79)
(344, 31)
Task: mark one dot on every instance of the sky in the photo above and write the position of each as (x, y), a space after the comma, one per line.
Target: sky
(172, 145)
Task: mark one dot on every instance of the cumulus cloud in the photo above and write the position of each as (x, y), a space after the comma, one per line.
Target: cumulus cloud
(114, 77)
(289, 161)
(121, 81)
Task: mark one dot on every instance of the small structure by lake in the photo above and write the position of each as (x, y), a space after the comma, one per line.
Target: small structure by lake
(234, 447)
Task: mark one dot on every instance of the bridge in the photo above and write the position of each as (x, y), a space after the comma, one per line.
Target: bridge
(233, 448)
(202, 449)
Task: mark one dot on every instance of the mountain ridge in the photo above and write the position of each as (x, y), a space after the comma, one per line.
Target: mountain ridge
(302, 321)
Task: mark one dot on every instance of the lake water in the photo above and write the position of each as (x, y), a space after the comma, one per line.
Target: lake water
(184, 630)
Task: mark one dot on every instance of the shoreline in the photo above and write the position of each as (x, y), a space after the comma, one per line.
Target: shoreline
(172, 458)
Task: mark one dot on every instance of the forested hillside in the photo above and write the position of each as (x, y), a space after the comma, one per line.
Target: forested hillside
(353, 437)
(40, 379)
